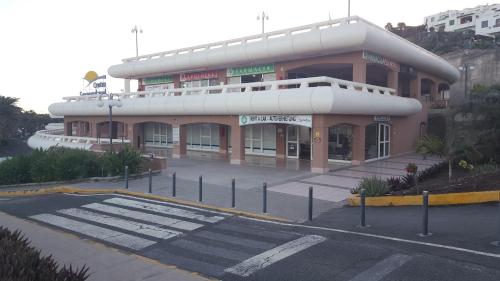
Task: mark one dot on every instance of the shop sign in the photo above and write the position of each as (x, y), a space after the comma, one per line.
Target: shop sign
(175, 135)
(378, 59)
(96, 85)
(198, 76)
(300, 120)
(157, 87)
(158, 80)
(249, 70)
(381, 118)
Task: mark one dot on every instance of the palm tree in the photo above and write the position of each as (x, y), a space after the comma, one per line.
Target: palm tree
(9, 113)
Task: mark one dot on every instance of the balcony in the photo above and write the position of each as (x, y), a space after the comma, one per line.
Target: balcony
(315, 95)
(47, 138)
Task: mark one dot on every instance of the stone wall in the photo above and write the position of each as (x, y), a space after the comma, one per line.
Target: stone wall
(486, 70)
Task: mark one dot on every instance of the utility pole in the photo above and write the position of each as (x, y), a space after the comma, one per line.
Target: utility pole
(466, 67)
(348, 8)
(263, 17)
(136, 29)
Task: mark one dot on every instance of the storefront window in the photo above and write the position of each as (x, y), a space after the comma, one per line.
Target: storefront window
(203, 136)
(157, 134)
(260, 139)
(197, 84)
(340, 143)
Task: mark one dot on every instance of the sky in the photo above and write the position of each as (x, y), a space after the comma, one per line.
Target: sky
(46, 47)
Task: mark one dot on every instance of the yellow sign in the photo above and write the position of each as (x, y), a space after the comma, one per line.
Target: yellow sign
(91, 76)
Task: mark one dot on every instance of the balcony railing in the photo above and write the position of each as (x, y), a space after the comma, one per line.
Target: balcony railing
(249, 39)
(59, 137)
(278, 85)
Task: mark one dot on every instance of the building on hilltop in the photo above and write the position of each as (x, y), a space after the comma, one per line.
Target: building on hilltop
(482, 20)
(342, 90)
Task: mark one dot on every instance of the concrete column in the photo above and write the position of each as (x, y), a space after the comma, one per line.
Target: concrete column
(93, 130)
(126, 85)
(280, 141)
(392, 80)
(435, 90)
(358, 145)
(359, 71)
(180, 147)
(68, 128)
(416, 87)
(237, 144)
(319, 164)
(223, 139)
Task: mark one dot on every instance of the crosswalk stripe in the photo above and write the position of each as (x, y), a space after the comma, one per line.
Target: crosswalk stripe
(108, 235)
(175, 223)
(255, 263)
(141, 228)
(382, 268)
(163, 209)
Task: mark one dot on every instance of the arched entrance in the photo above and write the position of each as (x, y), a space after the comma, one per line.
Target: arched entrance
(340, 139)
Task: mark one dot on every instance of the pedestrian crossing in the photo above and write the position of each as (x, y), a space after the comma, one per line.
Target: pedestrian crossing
(211, 243)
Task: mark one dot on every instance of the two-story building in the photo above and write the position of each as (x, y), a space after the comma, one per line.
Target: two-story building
(342, 90)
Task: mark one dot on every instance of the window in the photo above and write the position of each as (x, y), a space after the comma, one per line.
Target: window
(452, 22)
(432, 19)
(466, 19)
(340, 143)
(484, 24)
(497, 22)
(203, 136)
(260, 139)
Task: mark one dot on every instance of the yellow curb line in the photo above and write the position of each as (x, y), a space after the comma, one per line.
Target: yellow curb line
(74, 190)
(434, 199)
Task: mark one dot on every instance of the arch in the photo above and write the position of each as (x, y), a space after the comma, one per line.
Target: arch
(340, 142)
(79, 128)
(118, 129)
(427, 86)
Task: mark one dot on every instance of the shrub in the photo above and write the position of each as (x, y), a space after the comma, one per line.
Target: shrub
(431, 171)
(374, 186)
(20, 261)
(395, 184)
(58, 163)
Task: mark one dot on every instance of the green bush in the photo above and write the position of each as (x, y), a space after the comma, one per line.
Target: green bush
(20, 261)
(60, 163)
(374, 186)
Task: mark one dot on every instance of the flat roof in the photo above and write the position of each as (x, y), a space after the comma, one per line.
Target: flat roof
(331, 37)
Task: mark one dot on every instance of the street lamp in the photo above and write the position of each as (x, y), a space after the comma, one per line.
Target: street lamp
(466, 67)
(111, 102)
(348, 8)
(136, 29)
(263, 17)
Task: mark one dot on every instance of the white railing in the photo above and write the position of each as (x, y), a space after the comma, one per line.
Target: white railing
(59, 137)
(249, 39)
(278, 85)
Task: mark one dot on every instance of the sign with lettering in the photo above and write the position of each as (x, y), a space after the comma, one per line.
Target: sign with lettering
(96, 85)
(158, 87)
(301, 120)
(158, 80)
(199, 76)
(249, 70)
(378, 59)
(381, 118)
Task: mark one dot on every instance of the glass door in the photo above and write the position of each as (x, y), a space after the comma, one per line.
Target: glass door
(292, 141)
(384, 140)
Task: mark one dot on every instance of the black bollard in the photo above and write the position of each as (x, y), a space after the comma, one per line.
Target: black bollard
(363, 208)
(173, 185)
(233, 193)
(310, 203)
(126, 177)
(425, 214)
(264, 197)
(150, 181)
(200, 189)
(497, 243)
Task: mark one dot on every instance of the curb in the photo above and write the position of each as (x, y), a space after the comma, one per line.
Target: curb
(73, 190)
(464, 198)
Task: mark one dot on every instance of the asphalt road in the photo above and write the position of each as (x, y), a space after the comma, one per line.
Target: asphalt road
(228, 247)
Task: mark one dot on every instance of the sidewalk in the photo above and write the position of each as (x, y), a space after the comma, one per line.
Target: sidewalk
(104, 263)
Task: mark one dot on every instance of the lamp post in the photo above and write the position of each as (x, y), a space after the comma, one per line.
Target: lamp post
(263, 17)
(136, 29)
(111, 102)
(466, 67)
(348, 8)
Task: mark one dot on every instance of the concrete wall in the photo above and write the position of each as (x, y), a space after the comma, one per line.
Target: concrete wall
(486, 70)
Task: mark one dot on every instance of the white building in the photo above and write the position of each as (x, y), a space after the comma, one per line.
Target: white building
(483, 20)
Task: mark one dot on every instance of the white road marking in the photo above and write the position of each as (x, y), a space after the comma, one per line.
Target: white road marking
(175, 223)
(382, 268)
(486, 254)
(141, 228)
(163, 209)
(255, 263)
(101, 233)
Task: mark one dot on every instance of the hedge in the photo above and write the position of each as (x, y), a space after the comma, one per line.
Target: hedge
(59, 164)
